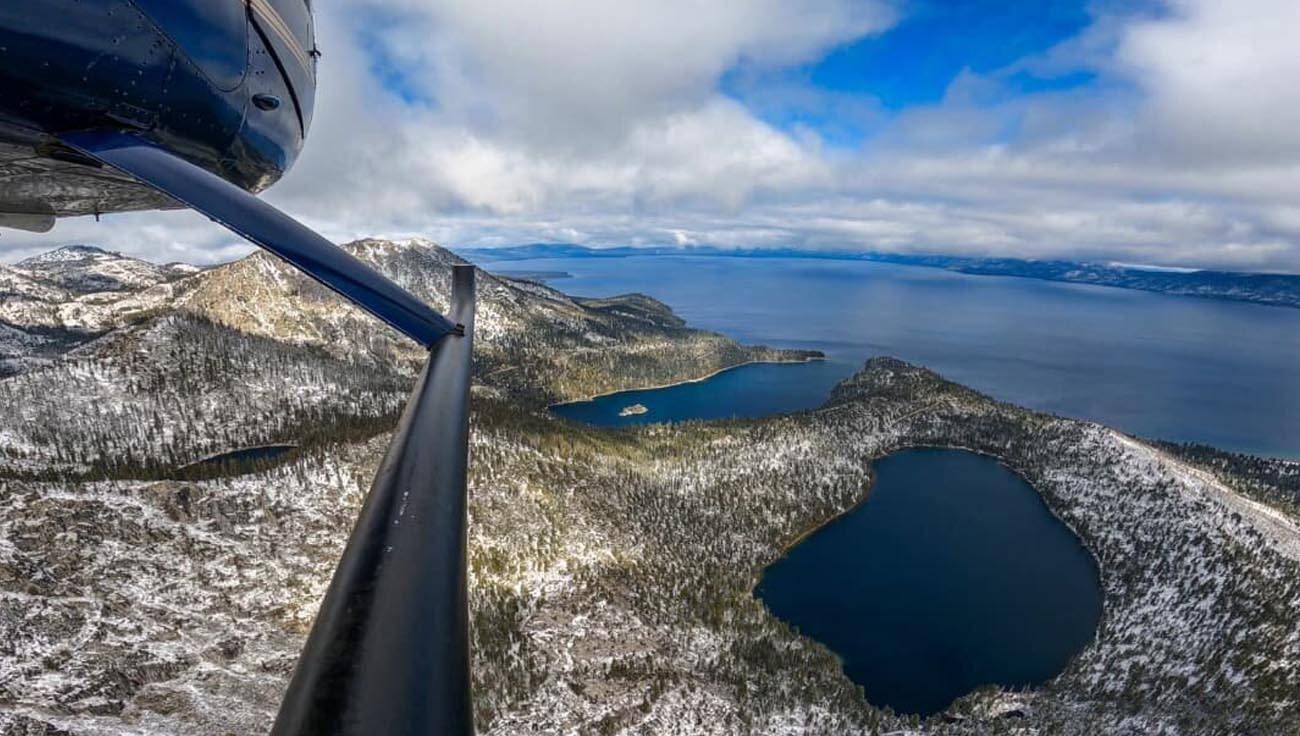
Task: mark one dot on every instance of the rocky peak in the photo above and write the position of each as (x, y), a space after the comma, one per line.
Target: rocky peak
(402, 255)
(86, 269)
(67, 254)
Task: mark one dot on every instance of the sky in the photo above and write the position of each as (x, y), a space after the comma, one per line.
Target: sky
(1162, 132)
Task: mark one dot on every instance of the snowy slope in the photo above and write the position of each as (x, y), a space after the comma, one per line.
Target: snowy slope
(254, 352)
(84, 269)
(83, 291)
(611, 577)
(611, 571)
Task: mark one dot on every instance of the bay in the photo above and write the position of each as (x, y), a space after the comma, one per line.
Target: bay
(1169, 367)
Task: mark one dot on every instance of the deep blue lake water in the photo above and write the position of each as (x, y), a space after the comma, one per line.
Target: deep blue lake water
(754, 390)
(242, 460)
(952, 575)
(1178, 368)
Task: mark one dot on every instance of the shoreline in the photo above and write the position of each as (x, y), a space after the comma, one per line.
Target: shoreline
(785, 549)
(954, 264)
(593, 397)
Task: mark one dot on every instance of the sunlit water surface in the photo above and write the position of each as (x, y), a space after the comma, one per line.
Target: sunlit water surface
(1178, 368)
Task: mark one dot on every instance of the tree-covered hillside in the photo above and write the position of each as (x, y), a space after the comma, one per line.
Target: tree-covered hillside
(611, 571)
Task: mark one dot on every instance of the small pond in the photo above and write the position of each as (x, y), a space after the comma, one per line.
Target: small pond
(953, 574)
(234, 462)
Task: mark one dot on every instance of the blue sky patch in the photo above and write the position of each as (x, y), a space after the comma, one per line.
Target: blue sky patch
(853, 91)
(935, 40)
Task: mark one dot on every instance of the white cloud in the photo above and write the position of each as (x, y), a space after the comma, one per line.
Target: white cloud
(1221, 79)
(602, 121)
(581, 73)
(579, 108)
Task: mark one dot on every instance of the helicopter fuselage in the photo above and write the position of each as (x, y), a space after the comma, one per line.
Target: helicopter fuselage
(227, 85)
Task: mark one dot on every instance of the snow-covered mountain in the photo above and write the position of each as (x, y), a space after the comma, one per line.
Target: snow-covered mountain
(528, 334)
(611, 572)
(253, 352)
(611, 577)
(85, 269)
(71, 294)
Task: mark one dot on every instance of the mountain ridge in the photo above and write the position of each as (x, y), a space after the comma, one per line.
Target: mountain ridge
(158, 346)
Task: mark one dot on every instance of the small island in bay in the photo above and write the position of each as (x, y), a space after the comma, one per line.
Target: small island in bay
(634, 410)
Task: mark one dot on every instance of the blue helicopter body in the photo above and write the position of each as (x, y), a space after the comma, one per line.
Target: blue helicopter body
(227, 85)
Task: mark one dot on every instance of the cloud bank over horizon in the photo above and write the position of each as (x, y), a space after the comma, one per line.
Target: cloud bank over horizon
(1156, 132)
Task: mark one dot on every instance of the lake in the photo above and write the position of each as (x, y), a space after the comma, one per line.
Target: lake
(953, 574)
(235, 462)
(1176, 368)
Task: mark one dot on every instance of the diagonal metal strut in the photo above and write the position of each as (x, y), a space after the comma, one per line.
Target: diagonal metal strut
(266, 226)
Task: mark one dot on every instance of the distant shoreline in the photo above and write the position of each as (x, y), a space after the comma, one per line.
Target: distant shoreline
(593, 397)
(1261, 288)
(537, 276)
